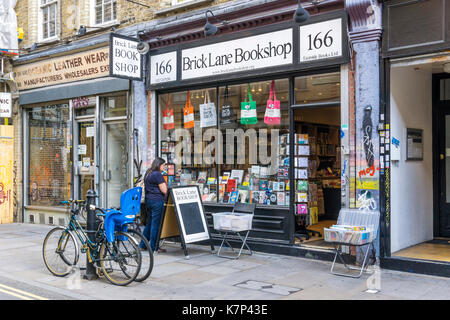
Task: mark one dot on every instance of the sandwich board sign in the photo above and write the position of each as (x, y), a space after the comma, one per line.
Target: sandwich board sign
(184, 216)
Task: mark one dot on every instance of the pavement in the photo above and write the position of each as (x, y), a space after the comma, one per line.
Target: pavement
(204, 276)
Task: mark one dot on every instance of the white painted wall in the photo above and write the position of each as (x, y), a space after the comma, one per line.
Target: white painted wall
(411, 181)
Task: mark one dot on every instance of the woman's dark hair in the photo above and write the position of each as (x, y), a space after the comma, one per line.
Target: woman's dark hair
(156, 164)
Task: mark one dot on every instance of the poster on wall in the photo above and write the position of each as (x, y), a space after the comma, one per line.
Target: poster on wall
(414, 144)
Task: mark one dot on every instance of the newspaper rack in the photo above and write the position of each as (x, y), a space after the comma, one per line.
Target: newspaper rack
(357, 228)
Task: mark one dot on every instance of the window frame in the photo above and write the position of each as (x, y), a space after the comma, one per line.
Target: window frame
(46, 6)
(93, 15)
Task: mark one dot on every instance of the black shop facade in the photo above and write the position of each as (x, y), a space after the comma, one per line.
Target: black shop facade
(257, 116)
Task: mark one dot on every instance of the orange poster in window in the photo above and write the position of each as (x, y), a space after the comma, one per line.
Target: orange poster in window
(6, 173)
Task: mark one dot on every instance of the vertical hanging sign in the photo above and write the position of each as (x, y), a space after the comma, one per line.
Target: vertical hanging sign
(125, 60)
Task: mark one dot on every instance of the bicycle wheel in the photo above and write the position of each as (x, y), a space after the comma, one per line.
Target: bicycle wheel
(60, 251)
(146, 253)
(120, 260)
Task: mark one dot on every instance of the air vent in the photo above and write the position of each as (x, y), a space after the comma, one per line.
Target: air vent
(31, 217)
(50, 220)
(61, 221)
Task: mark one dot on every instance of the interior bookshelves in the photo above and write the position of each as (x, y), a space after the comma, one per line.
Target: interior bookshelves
(316, 166)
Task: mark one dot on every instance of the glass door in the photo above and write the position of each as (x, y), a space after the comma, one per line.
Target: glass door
(85, 157)
(116, 162)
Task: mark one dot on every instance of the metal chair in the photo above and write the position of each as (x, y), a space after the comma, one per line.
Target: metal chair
(243, 208)
(355, 217)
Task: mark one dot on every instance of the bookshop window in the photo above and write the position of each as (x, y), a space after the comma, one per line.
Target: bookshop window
(254, 125)
(50, 145)
(318, 88)
(188, 126)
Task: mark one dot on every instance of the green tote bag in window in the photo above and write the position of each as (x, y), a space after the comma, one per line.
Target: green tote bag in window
(248, 110)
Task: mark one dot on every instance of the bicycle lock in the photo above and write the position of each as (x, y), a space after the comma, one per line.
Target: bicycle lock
(91, 271)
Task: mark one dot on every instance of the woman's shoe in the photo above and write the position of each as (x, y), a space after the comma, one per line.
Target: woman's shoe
(162, 250)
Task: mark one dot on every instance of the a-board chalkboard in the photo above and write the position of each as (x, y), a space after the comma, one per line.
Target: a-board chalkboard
(186, 205)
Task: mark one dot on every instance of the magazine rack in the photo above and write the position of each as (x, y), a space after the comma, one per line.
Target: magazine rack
(360, 239)
(244, 226)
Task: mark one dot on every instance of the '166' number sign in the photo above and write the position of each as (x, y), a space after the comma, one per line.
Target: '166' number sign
(321, 40)
(163, 68)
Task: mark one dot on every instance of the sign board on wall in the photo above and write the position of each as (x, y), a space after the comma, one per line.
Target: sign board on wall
(80, 66)
(321, 40)
(5, 105)
(126, 61)
(258, 52)
(274, 49)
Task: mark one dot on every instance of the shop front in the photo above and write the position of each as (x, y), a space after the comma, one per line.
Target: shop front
(75, 131)
(258, 117)
(417, 95)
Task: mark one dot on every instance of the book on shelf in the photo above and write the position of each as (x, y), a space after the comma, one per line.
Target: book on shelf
(302, 197)
(237, 175)
(302, 209)
(243, 196)
(302, 185)
(234, 197)
(254, 196)
(281, 198)
(231, 185)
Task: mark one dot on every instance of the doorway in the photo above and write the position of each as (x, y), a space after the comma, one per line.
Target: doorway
(441, 98)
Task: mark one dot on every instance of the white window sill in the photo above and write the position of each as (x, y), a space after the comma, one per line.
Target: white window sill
(182, 6)
(48, 40)
(105, 25)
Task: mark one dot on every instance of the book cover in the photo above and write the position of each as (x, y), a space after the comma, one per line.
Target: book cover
(281, 186)
(212, 180)
(231, 185)
(254, 197)
(262, 197)
(243, 196)
(226, 197)
(170, 180)
(171, 169)
(302, 197)
(276, 186)
(302, 209)
(281, 198)
(237, 175)
(302, 185)
(234, 197)
(263, 185)
(273, 198)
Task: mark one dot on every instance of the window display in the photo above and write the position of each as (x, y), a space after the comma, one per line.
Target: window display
(235, 147)
(49, 155)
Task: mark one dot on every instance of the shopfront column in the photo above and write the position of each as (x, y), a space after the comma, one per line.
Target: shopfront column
(365, 35)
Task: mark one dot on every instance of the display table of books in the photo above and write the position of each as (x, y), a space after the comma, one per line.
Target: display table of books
(355, 228)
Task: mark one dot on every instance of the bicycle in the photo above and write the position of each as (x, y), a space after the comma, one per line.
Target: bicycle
(116, 255)
(130, 205)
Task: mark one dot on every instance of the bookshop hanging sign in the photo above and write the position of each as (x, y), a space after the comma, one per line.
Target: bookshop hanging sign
(280, 48)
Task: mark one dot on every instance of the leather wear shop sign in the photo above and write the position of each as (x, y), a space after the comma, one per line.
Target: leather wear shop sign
(80, 66)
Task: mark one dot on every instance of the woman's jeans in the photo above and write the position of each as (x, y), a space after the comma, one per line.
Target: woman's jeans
(154, 212)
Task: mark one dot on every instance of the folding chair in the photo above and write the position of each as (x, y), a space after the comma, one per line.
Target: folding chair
(355, 217)
(241, 208)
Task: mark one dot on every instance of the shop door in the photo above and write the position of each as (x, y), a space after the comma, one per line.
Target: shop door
(85, 157)
(443, 118)
(116, 162)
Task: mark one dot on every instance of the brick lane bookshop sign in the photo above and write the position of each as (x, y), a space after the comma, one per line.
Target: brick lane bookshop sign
(317, 42)
(126, 61)
(80, 66)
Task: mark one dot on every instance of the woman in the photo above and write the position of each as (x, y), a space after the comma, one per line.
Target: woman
(155, 193)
